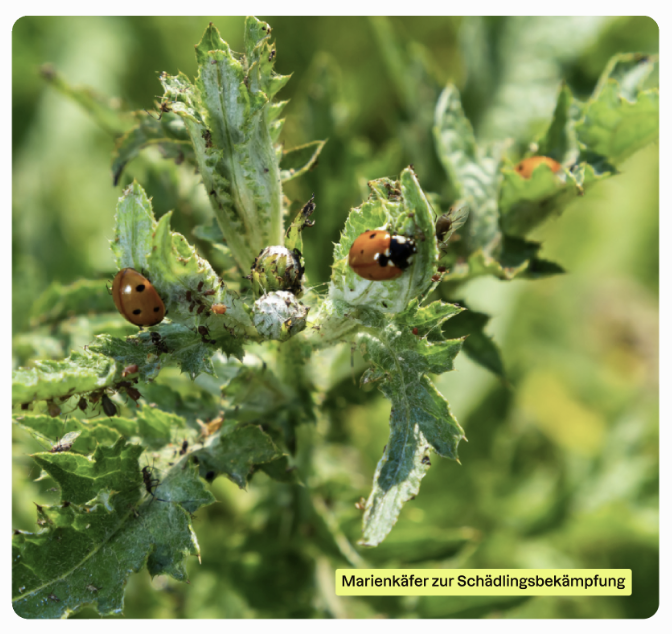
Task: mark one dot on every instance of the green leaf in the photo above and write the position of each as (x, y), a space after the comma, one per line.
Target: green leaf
(301, 221)
(175, 269)
(98, 535)
(508, 259)
(59, 301)
(619, 119)
(233, 126)
(400, 207)
(560, 142)
(472, 171)
(81, 372)
(478, 346)
(236, 453)
(156, 427)
(299, 160)
(52, 432)
(281, 470)
(168, 134)
(527, 56)
(526, 202)
(402, 353)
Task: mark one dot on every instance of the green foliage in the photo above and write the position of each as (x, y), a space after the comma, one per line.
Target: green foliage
(99, 534)
(280, 365)
(401, 207)
(620, 117)
(402, 354)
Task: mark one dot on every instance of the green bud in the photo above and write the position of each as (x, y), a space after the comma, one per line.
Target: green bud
(277, 269)
(279, 316)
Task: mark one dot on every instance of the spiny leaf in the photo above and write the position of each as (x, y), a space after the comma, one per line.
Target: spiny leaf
(232, 125)
(81, 372)
(619, 118)
(399, 207)
(402, 353)
(526, 202)
(301, 221)
(175, 269)
(98, 535)
(236, 453)
(559, 142)
(472, 171)
(53, 432)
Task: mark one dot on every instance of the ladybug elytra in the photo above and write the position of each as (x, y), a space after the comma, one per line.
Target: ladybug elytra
(378, 255)
(136, 299)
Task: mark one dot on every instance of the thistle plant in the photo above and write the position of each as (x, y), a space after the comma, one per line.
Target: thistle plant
(254, 339)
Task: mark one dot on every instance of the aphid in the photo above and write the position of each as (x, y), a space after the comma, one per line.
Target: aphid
(133, 393)
(108, 406)
(443, 225)
(188, 296)
(378, 255)
(212, 291)
(65, 443)
(136, 299)
(158, 342)
(185, 446)
(204, 331)
(200, 286)
(150, 483)
(425, 460)
(201, 308)
(53, 409)
(528, 165)
(129, 369)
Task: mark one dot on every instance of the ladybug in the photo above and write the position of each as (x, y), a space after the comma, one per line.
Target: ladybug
(136, 299)
(527, 166)
(379, 255)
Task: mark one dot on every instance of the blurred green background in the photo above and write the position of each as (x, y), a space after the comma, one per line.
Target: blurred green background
(561, 468)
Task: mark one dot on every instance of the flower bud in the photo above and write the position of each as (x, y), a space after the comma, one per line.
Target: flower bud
(279, 316)
(277, 269)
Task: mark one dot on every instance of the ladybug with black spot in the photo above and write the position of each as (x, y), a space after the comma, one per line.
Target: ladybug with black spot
(378, 255)
(136, 299)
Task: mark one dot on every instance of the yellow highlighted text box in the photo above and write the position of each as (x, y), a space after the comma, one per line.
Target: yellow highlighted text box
(427, 582)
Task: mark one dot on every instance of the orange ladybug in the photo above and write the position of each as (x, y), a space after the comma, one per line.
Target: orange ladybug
(377, 255)
(136, 299)
(527, 166)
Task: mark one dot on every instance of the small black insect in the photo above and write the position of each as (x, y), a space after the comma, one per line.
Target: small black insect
(150, 482)
(108, 406)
